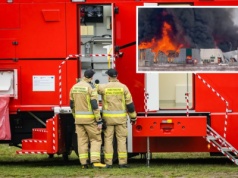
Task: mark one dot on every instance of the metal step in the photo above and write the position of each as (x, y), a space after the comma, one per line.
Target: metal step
(210, 137)
(221, 144)
(236, 161)
(225, 149)
(31, 152)
(34, 144)
(39, 133)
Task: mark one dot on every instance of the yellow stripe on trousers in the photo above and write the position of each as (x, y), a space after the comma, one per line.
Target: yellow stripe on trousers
(122, 155)
(108, 155)
(95, 154)
(85, 155)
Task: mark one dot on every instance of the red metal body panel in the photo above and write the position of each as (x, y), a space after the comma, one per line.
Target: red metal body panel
(45, 67)
(72, 31)
(39, 133)
(8, 50)
(207, 100)
(50, 36)
(217, 122)
(172, 144)
(41, 100)
(10, 19)
(36, 144)
(170, 126)
(41, 33)
(50, 136)
(225, 84)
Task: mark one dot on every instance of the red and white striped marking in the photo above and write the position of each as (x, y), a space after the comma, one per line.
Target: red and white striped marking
(187, 101)
(60, 80)
(222, 98)
(76, 56)
(39, 130)
(113, 63)
(54, 135)
(35, 141)
(146, 96)
(211, 132)
(31, 152)
(92, 55)
(214, 135)
(219, 149)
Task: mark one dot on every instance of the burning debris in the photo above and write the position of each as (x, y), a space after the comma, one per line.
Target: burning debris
(188, 56)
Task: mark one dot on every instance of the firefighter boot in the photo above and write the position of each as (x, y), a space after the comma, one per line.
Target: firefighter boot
(98, 165)
(123, 166)
(85, 166)
(108, 166)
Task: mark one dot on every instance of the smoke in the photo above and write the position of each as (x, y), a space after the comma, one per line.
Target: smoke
(192, 27)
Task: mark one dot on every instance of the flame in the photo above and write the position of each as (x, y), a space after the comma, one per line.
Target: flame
(188, 57)
(165, 44)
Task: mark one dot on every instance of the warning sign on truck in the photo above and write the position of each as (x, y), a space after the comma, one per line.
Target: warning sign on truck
(43, 82)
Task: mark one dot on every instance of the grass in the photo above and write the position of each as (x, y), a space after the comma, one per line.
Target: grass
(171, 165)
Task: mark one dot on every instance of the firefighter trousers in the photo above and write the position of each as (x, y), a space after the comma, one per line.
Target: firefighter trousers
(121, 135)
(89, 133)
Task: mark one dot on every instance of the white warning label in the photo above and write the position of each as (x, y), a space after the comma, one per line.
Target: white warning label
(43, 82)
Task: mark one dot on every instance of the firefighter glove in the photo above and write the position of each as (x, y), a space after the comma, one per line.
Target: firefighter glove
(133, 121)
(99, 123)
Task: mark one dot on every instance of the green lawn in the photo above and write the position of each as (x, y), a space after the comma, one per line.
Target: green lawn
(178, 165)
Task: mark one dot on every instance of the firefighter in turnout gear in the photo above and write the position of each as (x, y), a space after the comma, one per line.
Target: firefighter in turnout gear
(88, 122)
(117, 103)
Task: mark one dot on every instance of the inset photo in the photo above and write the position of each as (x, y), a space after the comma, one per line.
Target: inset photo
(187, 39)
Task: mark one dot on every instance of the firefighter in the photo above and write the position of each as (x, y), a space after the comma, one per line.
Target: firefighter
(88, 122)
(117, 102)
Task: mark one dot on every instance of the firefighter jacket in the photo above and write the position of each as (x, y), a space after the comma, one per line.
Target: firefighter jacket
(116, 102)
(84, 97)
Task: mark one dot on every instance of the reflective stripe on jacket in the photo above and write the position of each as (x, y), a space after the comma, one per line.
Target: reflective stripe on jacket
(114, 113)
(115, 97)
(81, 94)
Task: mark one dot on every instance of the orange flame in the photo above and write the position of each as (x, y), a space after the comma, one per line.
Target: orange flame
(188, 57)
(165, 44)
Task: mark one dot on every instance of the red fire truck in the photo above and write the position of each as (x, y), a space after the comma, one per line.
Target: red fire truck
(47, 44)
